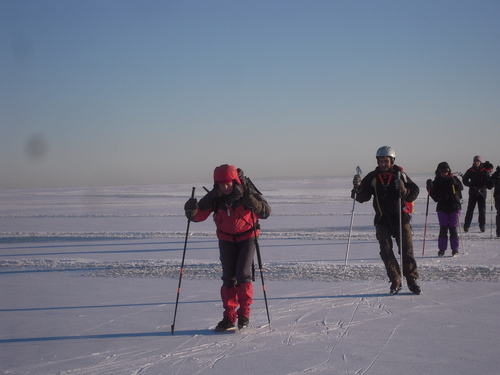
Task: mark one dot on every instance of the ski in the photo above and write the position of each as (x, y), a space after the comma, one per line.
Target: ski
(395, 287)
(225, 330)
(395, 291)
(225, 325)
(230, 330)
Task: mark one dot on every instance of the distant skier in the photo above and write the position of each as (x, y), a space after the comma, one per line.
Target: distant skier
(446, 190)
(385, 187)
(232, 203)
(495, 183)
(476, 178)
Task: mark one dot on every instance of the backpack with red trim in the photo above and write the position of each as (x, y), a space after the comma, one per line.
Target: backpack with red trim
(386, 178)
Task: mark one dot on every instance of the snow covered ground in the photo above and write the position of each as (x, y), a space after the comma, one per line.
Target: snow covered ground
(89, 280)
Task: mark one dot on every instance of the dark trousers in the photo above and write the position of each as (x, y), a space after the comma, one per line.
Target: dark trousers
(236, 259)
(497, 206)
(480, 200)
(384, 237)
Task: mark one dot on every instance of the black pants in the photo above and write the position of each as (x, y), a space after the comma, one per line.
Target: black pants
(497, 206)
(236, 259)
(480, 200)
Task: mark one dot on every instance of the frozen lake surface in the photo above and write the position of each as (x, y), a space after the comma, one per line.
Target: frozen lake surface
(89, 282)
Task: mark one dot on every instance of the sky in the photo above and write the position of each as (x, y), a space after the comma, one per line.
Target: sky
(108, 92)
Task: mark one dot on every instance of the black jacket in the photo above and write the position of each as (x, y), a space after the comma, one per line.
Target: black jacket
(476, 178)
(447, 192)
(494, 182)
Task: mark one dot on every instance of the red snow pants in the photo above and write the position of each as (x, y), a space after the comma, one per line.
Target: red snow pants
(240, 295)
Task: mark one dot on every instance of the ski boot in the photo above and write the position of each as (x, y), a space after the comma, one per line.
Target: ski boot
(395, 286)
(243, 322)
(413, 286)
(224, 326)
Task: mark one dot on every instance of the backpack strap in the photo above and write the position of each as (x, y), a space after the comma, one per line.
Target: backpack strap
(374, 184)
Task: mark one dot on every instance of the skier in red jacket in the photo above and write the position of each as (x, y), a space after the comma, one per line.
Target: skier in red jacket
(236, 208)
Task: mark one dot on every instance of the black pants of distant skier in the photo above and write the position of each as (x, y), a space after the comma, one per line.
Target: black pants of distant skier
(497, 206)
(480, 200)
(237, 288)
(384, 237)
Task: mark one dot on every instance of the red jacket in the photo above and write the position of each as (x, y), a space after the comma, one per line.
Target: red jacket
(234, 221)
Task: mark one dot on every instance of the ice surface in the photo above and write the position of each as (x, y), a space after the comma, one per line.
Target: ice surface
(89, 282)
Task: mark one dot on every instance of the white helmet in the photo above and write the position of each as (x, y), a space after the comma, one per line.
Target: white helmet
(386, 151)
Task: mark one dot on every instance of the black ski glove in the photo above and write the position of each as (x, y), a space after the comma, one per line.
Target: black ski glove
(251, 202)
(429, 184)
(190, 207)
(356, 181)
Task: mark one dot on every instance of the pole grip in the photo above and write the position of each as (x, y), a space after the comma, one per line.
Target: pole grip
(399, 190)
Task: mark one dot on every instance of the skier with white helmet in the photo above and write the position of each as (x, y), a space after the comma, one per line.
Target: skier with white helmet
(387, 190)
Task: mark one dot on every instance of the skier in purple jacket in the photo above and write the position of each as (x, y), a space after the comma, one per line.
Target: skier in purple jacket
(446, 190)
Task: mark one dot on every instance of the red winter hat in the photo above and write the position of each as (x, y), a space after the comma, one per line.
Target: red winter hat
(226, 173)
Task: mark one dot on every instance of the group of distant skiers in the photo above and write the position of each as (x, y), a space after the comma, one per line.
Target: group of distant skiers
(446, 191)
(237, 207)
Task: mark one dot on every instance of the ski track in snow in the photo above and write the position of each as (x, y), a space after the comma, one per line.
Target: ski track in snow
(381, 351)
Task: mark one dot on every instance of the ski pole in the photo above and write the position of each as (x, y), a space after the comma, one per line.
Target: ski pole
(259, 260)
(425, 225)
(182, 269)
(401, 227)
(491, 216)
(458, 223)
(460, 229)
(358, 172)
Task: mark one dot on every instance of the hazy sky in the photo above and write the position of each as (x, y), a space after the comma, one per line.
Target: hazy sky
(111, 92)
